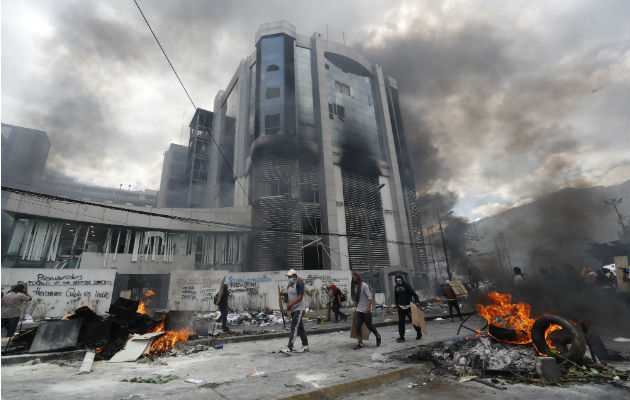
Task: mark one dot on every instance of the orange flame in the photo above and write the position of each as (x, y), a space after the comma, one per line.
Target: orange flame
(144, 302)
(503, 313)
(166, 342)
(551, 328)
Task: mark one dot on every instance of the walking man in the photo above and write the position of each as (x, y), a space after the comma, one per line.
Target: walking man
(404, 293)
(295, 293)
(363, 314)
(223, 307)
(451, 298)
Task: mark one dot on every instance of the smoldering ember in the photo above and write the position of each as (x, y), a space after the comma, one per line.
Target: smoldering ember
(387, 200)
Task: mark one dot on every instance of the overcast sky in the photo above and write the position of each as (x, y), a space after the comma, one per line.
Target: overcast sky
(503, 101)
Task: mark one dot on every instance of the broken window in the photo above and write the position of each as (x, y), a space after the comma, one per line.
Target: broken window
(273, 67)
(311, 225)
(331, 111)
(309, 195)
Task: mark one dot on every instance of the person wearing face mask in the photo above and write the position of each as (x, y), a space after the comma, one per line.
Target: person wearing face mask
(295, 293)
(403, 294)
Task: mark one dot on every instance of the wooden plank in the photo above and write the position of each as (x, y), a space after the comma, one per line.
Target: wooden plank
(417, 318)
(220, 292)
(364, 329)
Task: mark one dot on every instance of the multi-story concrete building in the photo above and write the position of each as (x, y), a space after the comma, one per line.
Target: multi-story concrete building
(24, 155)
(309, 136)
(302, 164)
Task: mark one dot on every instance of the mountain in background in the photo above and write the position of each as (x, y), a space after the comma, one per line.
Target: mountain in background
(554, 230)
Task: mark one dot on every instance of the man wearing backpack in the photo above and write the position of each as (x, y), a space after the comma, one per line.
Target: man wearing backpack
(338, 299)
(403, 294)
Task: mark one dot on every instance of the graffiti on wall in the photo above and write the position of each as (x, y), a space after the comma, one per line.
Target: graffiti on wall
(57, 292)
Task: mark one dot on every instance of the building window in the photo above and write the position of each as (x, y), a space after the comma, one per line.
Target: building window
(311, 225)
(341, 88)
(273, 67)
(309, 195)
(327, 66)
(272, 92)
(272, 124)
(340, 111)
(331, 111)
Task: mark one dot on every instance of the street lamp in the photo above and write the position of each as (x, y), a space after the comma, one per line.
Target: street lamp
(448, 268)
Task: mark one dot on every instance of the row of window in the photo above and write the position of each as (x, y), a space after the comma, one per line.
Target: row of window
(336, 109)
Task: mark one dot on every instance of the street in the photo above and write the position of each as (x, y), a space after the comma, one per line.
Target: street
(330, 362)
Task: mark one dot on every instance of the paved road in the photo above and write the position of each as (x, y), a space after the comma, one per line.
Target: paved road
(224, 372)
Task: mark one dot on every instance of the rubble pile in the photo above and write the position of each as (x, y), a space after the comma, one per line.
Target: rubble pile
(475, 356)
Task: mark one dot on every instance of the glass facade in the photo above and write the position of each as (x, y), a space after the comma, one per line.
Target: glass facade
(304, 86)
(226, 177)
(276, 92)
(351, 109)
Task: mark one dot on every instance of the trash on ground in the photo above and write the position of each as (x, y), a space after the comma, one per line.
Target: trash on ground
(256, 372)
(412, 385)
(86, 365)
(155, 379)
(621, 339)
(379, 357)
(195, 381)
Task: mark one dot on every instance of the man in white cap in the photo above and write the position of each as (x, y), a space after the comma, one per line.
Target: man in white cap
(295, 292)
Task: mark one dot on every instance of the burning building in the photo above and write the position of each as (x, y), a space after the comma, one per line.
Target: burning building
(309, 136)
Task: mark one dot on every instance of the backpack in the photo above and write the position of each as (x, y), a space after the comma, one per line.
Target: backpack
(342, 296)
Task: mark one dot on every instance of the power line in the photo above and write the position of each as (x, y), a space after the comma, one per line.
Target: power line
(164, 52)
(195, 107)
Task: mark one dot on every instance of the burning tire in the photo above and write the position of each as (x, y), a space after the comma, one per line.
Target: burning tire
(556, 337)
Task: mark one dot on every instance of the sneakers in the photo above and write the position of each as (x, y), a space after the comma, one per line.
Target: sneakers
(358, 346)
(287, 351)
(305, 348)
(419, 336)
(378, 340)
(400, 340)
(345, 317)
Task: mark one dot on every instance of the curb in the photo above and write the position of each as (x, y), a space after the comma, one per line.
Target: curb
(71, 355)
(360, 385)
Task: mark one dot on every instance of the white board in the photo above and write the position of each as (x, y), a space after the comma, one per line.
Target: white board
(56, 292)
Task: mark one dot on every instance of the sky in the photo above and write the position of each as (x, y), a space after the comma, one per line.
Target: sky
(503, 102)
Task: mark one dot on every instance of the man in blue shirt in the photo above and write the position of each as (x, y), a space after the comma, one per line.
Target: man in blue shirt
(295, 293)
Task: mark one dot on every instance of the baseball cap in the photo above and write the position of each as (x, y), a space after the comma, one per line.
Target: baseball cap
(291, 272)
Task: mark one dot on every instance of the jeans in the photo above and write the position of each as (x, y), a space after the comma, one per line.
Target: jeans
(337, 310)
(10, 324)
(367, 319)
(402, 317)
(453, 304)
(223, 317)
(297, 328)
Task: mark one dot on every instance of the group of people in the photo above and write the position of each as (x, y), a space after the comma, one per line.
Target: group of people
(361, 296)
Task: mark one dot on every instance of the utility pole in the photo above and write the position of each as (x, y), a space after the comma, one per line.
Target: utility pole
(448, 268)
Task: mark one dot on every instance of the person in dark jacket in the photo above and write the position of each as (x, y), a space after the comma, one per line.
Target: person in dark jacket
(451, 298)
(403, 294)
(223, 307)
(12, 306)
(336, 304)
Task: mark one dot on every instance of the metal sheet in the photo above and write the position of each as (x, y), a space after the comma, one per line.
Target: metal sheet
(56, 335)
